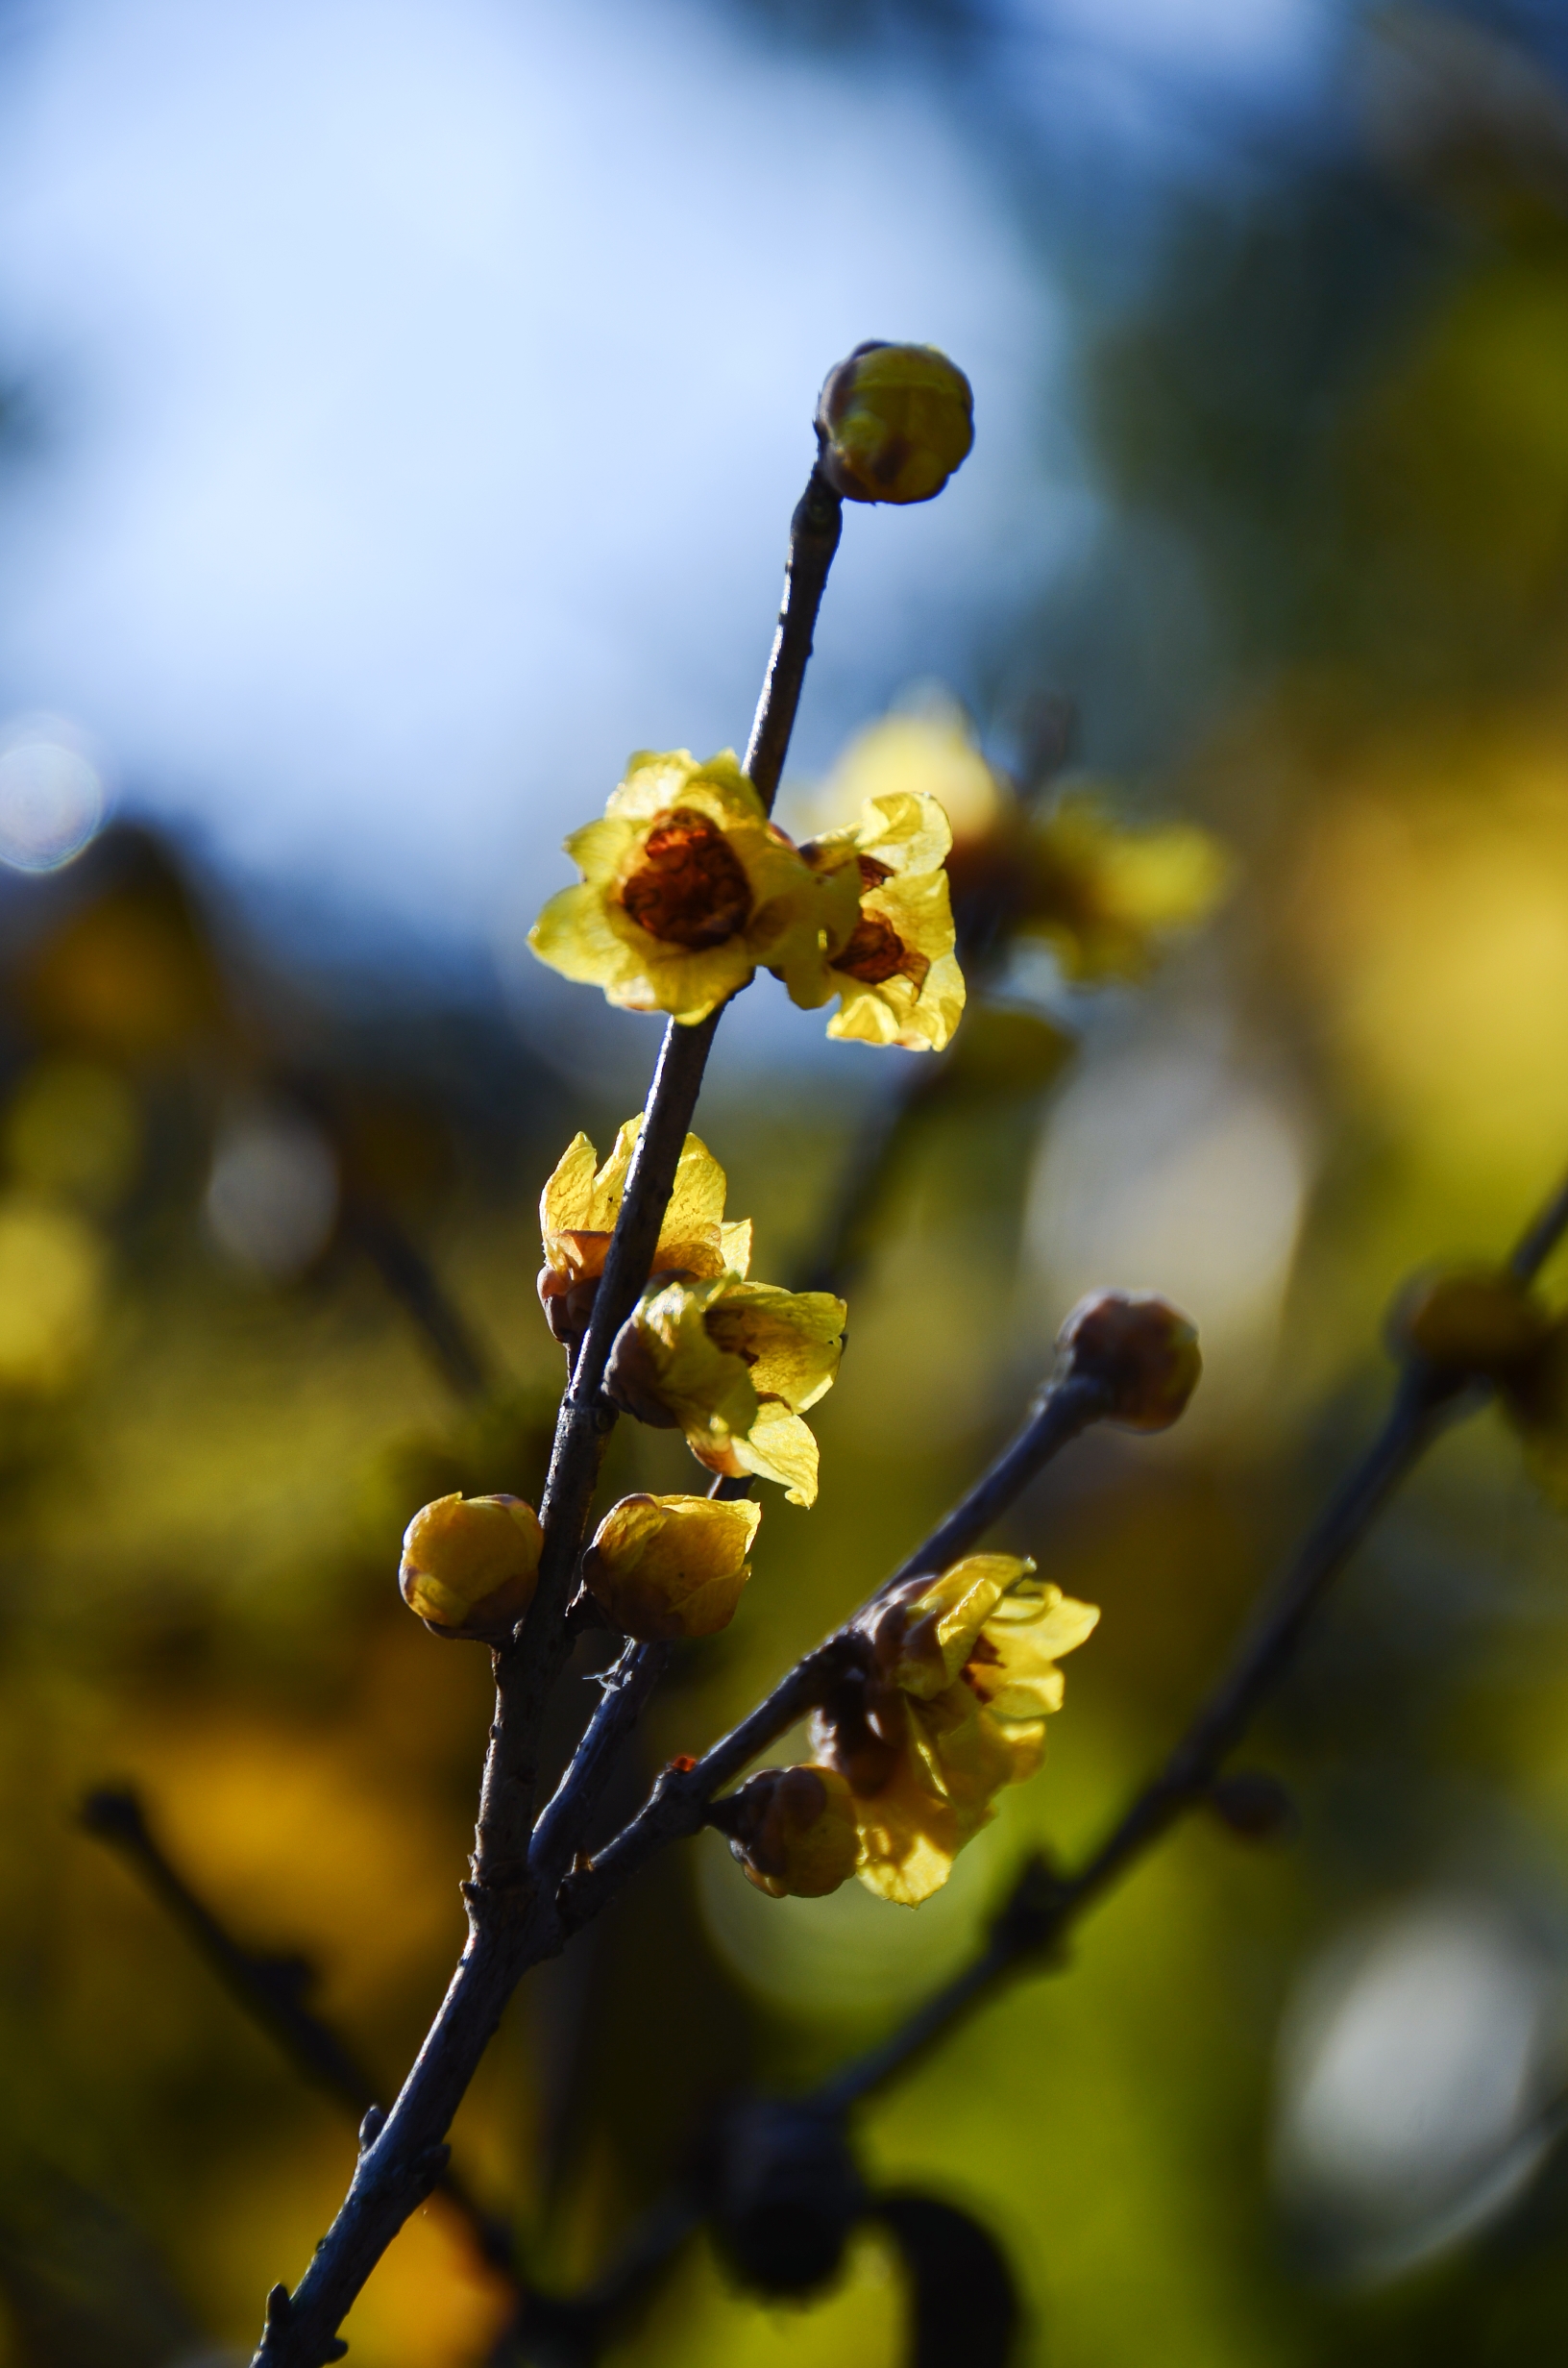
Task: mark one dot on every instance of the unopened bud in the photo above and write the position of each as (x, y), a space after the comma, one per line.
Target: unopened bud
(1142, 1349)
(1254, 1805)
(470, 1564)
(663, 1567)
(1470, 1320)
(793, 1830)
(894, 422)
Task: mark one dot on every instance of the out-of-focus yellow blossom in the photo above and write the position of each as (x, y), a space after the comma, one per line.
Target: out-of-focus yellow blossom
(894, 422)
(1105, 898)
(928, 749)
(671, 1566)
(470, 1564)
(793, 1830)
(733, 1364)
(687, 889)
(74, 1131)
(964, 1675)
(52, 1275)
(580, 1205)
(894, 965)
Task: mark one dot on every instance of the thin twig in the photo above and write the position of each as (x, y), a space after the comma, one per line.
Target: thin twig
(512, 1921)
(270, 1988)
(1042, 1906)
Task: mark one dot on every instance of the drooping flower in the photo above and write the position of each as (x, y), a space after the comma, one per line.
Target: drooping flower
(889, 954)
(733, 1364)
(580, 1205)
(963, 1677)
(687, 889)
(470, 1564)
(1105, 898)
(793, 1830)
(894, 422)
(663, 1567)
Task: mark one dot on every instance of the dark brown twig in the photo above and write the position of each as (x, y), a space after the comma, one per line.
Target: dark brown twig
(270, 1988)
(1042, 1906)
(512, 1921)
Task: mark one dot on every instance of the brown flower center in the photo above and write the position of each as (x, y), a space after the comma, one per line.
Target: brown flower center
(875, 952)
(690, 888)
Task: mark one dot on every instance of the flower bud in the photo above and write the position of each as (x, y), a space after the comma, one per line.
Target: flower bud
(1252, 1805)
(470, 1563)
(894, 422)
(1144, 1350)
(1472, 1320)
(793, 1830)
(663, 1567)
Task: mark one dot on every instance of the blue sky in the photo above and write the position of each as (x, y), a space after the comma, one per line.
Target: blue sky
(425, 387)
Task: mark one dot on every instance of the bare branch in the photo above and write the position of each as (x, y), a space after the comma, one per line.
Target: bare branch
(512, 1924)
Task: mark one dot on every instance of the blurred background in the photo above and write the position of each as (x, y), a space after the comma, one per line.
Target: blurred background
(401, 409)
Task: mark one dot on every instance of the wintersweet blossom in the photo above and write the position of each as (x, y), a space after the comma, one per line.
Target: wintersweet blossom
(580, 1205)
(687, 889)
(733, 1364)
(963, 1677)
(893, 966)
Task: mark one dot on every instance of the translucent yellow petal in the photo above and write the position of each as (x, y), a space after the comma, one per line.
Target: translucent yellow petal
(906, 829)
(777, 1445)
(947, 1617)
(791, 1340)
(568, 1196)
(735, 1246)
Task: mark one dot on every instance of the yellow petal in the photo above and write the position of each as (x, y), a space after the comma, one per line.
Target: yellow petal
(777, 1445)
(791, 1340)
(946, 1620)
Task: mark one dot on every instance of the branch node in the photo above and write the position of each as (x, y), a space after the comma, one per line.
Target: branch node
(371, 2127)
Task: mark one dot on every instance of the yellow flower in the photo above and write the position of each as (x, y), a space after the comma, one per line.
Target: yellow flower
(1104, 897)
(687, 889)
(580, 1205)
(964, 1676)
(733, 1364)
(889, 954)
(470, 1563)
(894, 422)
(671, 1566)
(793, 1830)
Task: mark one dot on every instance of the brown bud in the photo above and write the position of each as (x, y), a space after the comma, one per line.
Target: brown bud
(1473, 1320)
(1143, 1350)
(633, 1379)
(793, 1830)
(846, 1737)
(1254, 1805)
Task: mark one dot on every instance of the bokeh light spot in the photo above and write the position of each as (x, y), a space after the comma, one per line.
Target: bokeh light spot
(52, 797)
(272, 1196)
